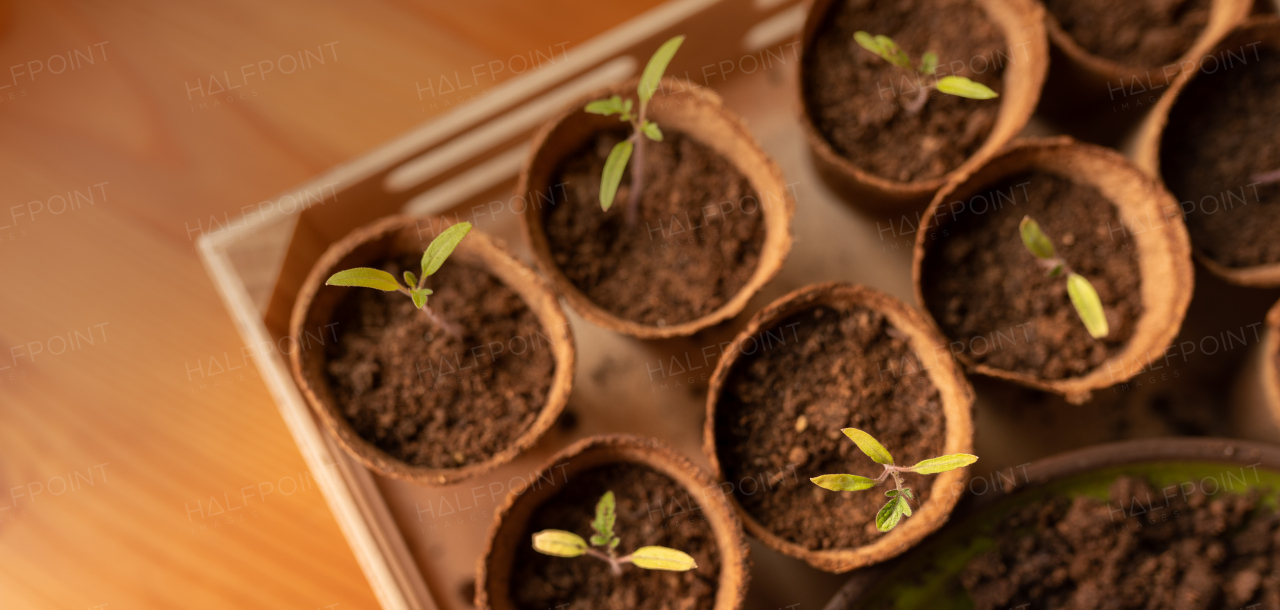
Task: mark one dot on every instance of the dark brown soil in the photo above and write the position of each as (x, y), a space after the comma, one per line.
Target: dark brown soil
(780, 414)
(1138, 33)
(856, 98)
(652, 509)
(1221, 133)
(1138, 551)
(426, 397)
(995, 301)
(696, 244)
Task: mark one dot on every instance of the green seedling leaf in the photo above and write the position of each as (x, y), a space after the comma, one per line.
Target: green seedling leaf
(657, 65)
(1088, 305)
(365, 277)
(906, 491)
(904, 507)
(609, 106)
(603, 524)
(662, 558)
(559, 543)
(843, 482)
(612, 176)
(651, 130)
(889, 516)
(1034, 239)
(891, 52)
(442, 246)
(892, 493)
(869, 445)
(1056, 271)
(929, 63)
(419, 296)
(944, 463)
(410, 279)
(962, 87)
(868, 42)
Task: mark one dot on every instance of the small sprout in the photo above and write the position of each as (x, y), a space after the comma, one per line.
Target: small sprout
(437, 251)
(899, 505)
(560, 543)
(958, 86)
(641, 129)
(1083, 297)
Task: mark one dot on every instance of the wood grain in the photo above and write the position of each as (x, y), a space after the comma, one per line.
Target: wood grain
(119, 370)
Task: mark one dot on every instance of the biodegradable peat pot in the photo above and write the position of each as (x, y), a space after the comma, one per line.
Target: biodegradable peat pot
(1004, 317)
(1208, 138)
(1127, 51)
(662, 499)
(823, 358)
(1255, 404)
(484, 289)
(1114, 528)
(714, 222)
(862, 143)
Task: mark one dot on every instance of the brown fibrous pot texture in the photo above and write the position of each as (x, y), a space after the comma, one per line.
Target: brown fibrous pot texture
(1147, 141)
(1150, 216)
(1083, 76)
(494, 569)
(943, 372)
(402, 235)
(677, 106)
(1021, 21)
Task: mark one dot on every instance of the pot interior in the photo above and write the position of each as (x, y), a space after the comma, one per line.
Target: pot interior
(929, 576)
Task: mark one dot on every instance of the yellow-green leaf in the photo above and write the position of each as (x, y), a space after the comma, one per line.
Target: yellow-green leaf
(869, 445)
(891, 53)
(442, 246)
(903, 506)
(559, 543)
(868, 42)
(962, 87)
(365, 277)
(1088, 305)
(944, 463)
(652, 75)
(662, 558)
(608, 106)
(651, 130)
(1034, 239)
(843, 482)
(889, 516)
(612, 175)
(419, 296)
(605, 518)
(929, 63)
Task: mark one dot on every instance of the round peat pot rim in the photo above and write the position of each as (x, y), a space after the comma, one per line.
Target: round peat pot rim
(1164, 252)
(1041, 473)
(1224, 15)
(954, 391)
(698, 113)
(1023, 81)
(400, 234)
(493, 570)
(1150, 136)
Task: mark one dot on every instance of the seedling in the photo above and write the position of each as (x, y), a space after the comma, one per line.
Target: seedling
(437, 251)
(1083, 296)
(899, 504)
(958, 86)
(560, 543)
(642, 129)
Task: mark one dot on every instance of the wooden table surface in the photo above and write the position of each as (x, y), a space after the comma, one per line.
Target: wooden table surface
(142, 462)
